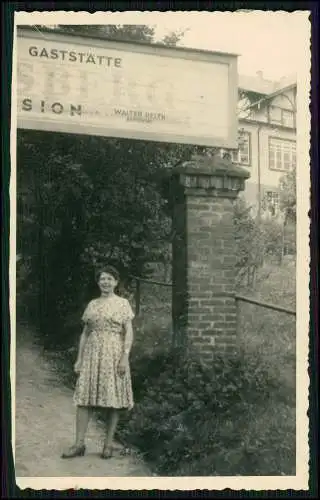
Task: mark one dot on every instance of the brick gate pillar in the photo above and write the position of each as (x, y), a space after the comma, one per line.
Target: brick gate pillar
(203, 275)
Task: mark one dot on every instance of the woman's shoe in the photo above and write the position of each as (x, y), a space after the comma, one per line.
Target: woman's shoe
(106, 452)
(74, 451)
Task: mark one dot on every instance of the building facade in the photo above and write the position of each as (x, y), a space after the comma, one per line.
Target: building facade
(267, 133)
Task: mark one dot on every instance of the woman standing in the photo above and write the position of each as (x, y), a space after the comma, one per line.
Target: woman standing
(102, 365)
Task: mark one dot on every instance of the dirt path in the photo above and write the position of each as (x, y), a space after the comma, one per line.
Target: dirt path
(45, 426)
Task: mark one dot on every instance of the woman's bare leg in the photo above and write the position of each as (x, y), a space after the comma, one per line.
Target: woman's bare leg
(82, 421)
(113, 418)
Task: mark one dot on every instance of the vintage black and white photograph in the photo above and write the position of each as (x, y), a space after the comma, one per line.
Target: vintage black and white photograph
(159, 249)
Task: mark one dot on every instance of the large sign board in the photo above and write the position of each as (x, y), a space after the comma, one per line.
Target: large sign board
(84, 85)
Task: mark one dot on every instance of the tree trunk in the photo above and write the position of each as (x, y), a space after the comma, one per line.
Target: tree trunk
(166, 273)
(138, 297)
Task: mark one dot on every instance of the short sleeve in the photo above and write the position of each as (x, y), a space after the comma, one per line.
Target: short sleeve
(87, 313)
(128, 313)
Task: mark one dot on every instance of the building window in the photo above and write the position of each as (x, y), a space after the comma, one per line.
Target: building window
(275, 114)
(243, 156)
(287, 118)
(252, 114)
(273, 202)
(282, 154)
(279, 116)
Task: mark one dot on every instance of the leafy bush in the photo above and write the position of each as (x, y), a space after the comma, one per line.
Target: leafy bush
(192, 420)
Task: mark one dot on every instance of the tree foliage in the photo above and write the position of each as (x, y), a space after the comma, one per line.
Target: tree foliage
(288, 196)
(258, 241)
(249, 243)
(125, 32)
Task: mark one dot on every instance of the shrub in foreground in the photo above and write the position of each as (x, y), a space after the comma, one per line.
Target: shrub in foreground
(225, 420)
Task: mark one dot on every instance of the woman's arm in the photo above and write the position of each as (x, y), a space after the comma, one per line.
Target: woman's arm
(128, 338)
(82, 343)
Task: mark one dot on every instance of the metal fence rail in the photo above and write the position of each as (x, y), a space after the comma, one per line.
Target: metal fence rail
(150, 282)
(266, 305)
(238, 298)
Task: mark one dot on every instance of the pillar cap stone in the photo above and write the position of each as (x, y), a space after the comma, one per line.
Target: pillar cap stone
(211, 166)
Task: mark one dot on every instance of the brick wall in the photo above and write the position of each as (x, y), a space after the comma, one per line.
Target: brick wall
(204, 306)
(203, 265)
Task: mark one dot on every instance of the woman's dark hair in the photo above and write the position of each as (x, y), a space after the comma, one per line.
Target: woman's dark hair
(108, 270)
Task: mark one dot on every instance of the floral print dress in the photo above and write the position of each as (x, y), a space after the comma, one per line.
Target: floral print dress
(99, 384)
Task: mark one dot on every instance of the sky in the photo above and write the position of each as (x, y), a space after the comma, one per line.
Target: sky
(271, 42)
